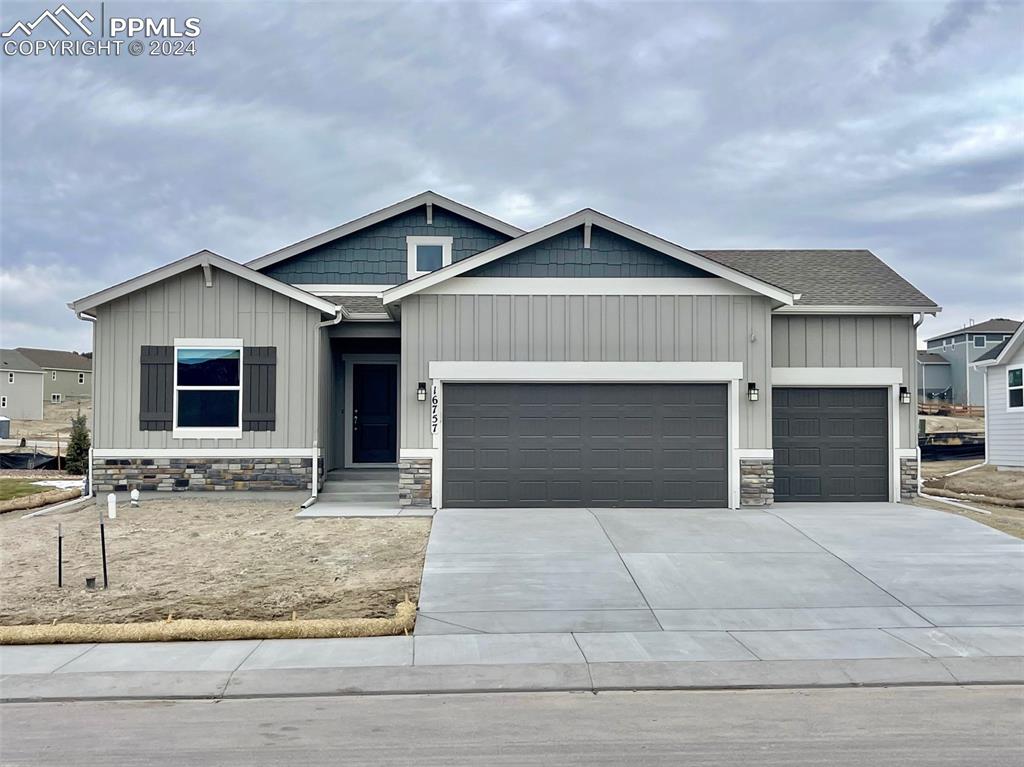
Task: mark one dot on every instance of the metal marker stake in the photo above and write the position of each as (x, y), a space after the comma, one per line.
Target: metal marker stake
(60, 558)
(103, 547)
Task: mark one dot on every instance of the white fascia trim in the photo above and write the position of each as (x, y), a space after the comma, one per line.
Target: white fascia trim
(1008, 351)
(605, 222)
(383, 215)
(220, 452)
(855, 309)
(589, 286)
(327, 289)
(837, 376)
(754, 453)
(203, 258)
(549, 372)
(414, 240)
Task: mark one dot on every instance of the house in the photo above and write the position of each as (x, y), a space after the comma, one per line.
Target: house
(66, 375)
(1003, 371)
(934, 377)
(960, 348)
(583, 363)
(21, 386)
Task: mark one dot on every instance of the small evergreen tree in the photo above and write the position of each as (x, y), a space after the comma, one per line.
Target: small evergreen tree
(77, 459)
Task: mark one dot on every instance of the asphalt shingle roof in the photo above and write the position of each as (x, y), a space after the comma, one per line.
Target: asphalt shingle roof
(996, 325)
(931, 357)
(54, 358)
(826, 277)
(12, 359)
(359, 304)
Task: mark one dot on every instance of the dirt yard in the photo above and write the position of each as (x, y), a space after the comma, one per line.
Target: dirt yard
(937, 424)
(208, 558)
(980, 483)
(56, 418)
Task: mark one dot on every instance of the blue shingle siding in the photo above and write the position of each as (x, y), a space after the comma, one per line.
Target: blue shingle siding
(377, 254)
(609, 255)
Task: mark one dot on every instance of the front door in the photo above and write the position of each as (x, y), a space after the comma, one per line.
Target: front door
(374, 413)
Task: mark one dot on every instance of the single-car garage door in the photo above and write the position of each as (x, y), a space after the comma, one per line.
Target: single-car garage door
(576, 444)
(830, 444)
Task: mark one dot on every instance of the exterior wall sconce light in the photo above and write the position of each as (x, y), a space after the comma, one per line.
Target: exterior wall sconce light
(421, 391)
(904, 395)
(753, 393)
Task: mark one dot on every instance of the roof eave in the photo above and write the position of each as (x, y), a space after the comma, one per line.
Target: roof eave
(857, 309)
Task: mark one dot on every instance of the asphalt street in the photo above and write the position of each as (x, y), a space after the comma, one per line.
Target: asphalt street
(880, 726)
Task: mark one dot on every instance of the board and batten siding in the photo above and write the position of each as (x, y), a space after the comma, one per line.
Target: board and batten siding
(852, 341)
(183, 307)
(585, 328)
(1004, 430)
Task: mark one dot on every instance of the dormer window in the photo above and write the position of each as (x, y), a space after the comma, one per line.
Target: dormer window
(428, 254)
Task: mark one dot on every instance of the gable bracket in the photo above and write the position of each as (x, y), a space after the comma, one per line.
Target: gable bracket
(587, 225)
(430, 214)
(208, 274)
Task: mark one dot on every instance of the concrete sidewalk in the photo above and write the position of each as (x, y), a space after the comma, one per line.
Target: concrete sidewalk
(513, 662)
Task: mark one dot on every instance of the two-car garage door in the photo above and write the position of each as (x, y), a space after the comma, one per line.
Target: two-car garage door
(585, 444)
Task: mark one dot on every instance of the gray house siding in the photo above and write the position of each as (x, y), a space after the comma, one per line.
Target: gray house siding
(378, 254)
(1004, 429)
(182, 307)
(24, 395)
(609, 255)
(935, 380)
(66, 384)
(851, 341)
(968, 383)
(584, 328)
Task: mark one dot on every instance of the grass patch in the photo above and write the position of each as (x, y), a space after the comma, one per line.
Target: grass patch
(11, 488)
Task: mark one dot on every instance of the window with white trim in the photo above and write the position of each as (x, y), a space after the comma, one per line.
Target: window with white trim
(55, 398)
(207, 389)
(427, 254)
(53, 375)
(81, 378)
(1015, 388)
(10, 378)
(979, 341)
(3, 402)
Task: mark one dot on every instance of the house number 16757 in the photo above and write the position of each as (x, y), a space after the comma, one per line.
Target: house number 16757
(433, 409)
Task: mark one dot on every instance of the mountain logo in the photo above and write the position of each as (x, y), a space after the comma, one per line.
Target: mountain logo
(62, 12)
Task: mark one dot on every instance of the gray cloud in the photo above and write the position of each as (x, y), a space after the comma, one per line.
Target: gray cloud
(715, 125)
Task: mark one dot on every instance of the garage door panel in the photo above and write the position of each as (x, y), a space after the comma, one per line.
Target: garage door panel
(830, 444)
(588, 445)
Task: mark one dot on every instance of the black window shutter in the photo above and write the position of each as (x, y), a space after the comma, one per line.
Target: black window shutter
(156, 387)
(259, 388)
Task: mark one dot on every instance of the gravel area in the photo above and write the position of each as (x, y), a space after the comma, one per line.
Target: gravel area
(204, 558)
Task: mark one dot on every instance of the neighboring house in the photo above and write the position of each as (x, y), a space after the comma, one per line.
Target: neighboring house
(584, 363)
(962, 347)
(934, 377)
(21, 386)
(66, 375)
(1003, 371)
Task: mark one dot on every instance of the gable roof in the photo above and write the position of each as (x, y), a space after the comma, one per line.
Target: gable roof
(205, 259)
(56, 359)
(13, 361)
(1001, 353)
(995, 325)
(833, 278)
(584, 217)
(931, 358)
(383, 214)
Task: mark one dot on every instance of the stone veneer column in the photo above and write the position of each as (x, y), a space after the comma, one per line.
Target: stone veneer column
(201, 474)
(414, 482)
(908, 478)
(757, 482)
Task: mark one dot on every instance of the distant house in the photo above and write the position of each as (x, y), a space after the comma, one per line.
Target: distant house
(960, 348)
(21, 386)
(1003, 371)
(934, 378)
(66, 375)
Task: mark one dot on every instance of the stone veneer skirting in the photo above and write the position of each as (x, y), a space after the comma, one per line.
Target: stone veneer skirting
(414, 482)
(201, 474)
(757, 482)
(908, 478)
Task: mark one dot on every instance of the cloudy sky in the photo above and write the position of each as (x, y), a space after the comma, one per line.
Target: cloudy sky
(897, 127)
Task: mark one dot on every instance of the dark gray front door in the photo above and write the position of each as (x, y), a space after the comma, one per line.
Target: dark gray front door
(831, 444)
(374, 413)
(533, 445)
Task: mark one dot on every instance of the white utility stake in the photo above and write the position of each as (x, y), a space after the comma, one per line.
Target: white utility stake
(112, 506)
(135, 498)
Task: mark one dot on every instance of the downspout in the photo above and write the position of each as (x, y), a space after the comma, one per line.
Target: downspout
(340, 315)
(92, 393)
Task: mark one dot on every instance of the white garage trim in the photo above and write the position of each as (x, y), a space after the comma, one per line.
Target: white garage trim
(443, 371)
(589, 286)
(837, 376)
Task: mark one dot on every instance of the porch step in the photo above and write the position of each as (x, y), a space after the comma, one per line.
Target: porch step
(363, 475)
(379, 498)
(346, 486)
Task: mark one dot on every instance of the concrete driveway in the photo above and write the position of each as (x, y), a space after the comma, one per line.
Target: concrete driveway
(798, 581)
